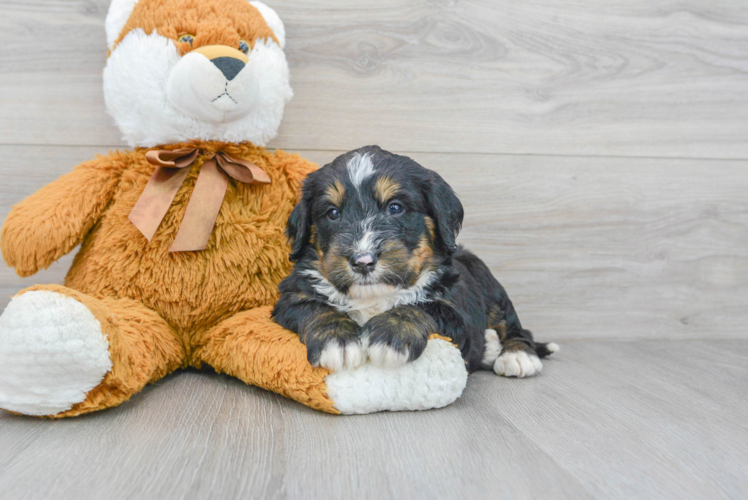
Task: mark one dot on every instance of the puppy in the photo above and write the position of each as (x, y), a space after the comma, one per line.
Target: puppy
(377, 271)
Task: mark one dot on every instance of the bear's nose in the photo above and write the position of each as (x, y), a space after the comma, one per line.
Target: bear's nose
(227, 59)
(363, 263)
(229, 66)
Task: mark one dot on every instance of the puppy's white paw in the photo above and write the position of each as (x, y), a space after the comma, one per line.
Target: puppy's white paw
(491, 350)
(517, 364)
(385, 356)
(347, 356)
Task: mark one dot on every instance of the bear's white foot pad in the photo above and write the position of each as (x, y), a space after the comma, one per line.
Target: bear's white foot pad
(517, 364)
(52, 353)
(434, 380)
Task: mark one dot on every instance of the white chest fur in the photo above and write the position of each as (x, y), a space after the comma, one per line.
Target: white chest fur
(363, 302)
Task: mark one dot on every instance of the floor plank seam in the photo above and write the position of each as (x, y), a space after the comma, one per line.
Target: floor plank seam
(425, 152)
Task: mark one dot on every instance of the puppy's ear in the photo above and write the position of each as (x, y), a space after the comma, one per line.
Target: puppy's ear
(445, 208)
(299, 227)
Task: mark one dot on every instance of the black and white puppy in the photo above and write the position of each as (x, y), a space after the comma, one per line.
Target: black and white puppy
(377, 271)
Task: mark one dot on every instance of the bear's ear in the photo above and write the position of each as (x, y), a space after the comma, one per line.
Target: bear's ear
(116, 18)
(273, 21)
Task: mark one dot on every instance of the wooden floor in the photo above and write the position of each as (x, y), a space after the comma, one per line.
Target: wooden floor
(606, 419)
(601, 152)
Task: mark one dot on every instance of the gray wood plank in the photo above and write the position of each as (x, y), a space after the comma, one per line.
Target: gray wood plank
(202, 434)
(604, 420)
(586, 247)
(645, 419)
(635, 78)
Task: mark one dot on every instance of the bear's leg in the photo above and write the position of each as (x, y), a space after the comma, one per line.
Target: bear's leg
(253, 348)
(64, 353)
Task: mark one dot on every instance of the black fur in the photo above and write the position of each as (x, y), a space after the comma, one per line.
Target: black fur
(461, 302)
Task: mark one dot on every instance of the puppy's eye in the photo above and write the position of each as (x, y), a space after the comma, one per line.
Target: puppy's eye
(244, 47)
(333, 214)
(187, 38)
(395, 208)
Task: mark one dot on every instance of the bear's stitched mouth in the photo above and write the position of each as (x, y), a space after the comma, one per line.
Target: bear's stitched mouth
(225, 93)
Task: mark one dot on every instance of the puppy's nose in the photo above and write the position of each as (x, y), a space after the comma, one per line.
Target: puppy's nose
(363, 263)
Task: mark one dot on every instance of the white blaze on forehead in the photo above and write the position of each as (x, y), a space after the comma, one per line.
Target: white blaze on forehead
(359, 168)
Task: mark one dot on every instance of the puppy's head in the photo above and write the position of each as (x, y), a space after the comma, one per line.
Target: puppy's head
(181, 70)
(374, 220)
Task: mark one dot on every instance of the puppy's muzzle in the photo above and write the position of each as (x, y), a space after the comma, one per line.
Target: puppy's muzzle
(363, 263)
(227, 59)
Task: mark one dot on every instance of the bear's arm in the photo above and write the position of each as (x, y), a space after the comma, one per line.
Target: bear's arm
(51, 222)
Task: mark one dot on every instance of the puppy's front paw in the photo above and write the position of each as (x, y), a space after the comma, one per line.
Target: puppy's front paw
(333, 343)
(517, 364)
(397, 336)
(386, 356)
(336, 355)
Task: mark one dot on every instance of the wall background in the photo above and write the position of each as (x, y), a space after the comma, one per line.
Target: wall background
(601, 151)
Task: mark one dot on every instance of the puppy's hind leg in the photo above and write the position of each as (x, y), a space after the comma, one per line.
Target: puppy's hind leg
(546, 349)
(520, 354)
(491, 349)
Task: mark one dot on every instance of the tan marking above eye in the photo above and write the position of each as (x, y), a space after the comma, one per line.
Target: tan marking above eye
(335, 193)
(385, 189)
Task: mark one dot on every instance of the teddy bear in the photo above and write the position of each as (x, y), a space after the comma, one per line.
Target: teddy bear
(182, 242)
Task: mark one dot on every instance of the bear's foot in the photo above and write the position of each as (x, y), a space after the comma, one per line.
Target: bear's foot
(52, 353)
(434, 380)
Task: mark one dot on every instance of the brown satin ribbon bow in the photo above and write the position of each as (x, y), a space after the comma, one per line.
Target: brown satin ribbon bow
(205, 202)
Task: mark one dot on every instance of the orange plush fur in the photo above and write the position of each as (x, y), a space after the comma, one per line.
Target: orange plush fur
(161, 311)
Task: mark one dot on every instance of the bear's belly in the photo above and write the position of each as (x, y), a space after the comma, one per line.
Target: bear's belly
(246, 258)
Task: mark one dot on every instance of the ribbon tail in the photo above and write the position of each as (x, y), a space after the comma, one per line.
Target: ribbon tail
(202, 209)
(156, 199)
(242, 170)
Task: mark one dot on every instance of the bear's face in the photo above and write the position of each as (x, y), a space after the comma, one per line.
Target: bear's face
(183, 70)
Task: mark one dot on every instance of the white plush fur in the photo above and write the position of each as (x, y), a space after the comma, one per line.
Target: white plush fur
(211, 98)
(52, 353)
(116, 18)
(157, 97)
(517, 364)
(434, 380)
(553, 347)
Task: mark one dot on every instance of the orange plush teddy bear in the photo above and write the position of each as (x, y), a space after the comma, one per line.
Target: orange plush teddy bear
(182, 238)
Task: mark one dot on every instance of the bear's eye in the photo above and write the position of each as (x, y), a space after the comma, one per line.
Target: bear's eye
(244, 47)
(187, 38)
